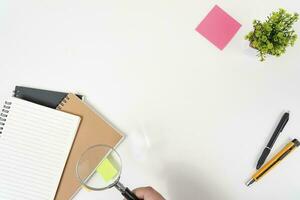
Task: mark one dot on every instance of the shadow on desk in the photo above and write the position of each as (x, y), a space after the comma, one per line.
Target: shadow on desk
(184, 182)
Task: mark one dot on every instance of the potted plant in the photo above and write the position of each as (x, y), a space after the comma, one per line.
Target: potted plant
(274, 35)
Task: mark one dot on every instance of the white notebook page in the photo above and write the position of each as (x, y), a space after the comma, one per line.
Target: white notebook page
(34, 146)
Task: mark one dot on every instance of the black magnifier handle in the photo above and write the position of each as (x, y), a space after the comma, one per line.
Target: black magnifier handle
(129, 195)
(126, 192)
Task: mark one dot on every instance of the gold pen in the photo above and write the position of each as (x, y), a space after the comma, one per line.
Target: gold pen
(274, 161)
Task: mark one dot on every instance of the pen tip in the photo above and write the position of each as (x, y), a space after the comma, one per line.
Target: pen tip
(258, 166)
(250, 182)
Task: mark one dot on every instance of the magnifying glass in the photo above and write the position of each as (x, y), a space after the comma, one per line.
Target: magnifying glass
(99, 168)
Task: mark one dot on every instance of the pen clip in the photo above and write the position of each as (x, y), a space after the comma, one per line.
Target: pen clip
(285, 154)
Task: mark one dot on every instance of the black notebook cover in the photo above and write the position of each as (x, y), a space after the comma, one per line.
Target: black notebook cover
(46, 98)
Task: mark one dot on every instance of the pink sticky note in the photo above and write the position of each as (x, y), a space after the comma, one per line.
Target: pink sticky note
(218, 27)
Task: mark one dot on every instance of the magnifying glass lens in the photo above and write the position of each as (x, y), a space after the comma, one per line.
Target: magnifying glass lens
(99, 167)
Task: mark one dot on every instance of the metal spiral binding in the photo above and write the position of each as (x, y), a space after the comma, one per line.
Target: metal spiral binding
(4, 114)
(62, 104)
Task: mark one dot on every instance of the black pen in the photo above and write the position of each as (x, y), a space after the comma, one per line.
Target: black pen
(284, 119)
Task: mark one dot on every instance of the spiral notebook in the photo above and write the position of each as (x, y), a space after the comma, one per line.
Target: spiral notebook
(93, 130)
(35, 142)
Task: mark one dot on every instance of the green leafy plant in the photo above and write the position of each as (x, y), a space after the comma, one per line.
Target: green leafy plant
(274, 35)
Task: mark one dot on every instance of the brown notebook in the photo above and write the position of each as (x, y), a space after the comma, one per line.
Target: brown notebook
(93, 129)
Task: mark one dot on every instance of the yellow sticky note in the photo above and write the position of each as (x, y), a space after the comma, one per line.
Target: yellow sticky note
(107, 170)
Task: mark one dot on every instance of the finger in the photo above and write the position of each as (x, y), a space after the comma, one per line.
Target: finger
(142, 192)
(139, 192)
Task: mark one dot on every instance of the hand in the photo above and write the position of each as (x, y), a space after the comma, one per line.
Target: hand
(147, 193)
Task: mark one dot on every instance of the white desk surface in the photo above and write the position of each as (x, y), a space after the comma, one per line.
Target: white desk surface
(196, 117)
